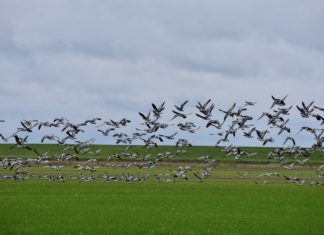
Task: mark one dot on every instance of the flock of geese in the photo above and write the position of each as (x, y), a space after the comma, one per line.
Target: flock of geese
(151, 133)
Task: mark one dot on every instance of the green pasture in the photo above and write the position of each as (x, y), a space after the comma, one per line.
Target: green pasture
(212, 207)
(222, 204)
(191, 154)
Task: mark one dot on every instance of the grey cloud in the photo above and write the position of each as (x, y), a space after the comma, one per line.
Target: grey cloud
(114, 58)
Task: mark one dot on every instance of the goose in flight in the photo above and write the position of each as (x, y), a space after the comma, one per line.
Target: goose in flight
(149, 143)
(268, 115)
(229, 112)
(16, 164)
(249, 134)
(184, 168)
(206, 111)
(272, 119)
(319, 108)
(181, 107)
(183, 143)
(249, 103)
(20, 142)
(302, 162)
(283, 127)
(199, 178)
(269, 174)
(188, 126)
(41, 124)
(116, 124)
(109, 123)
(289, 167)
(318, 118)
(267, 140)
(157, 110)
(170, 137)
(57, 168)
(291, 139)
(164, 178)
(294, 179)
(284, 111)
(214, 123)
(202, 107)
(261, 134)
(60, 120)
(28, 125)
(305, 110)
(243, 176)
(49, 137)
(3, 138)
(309, 129)
(92, 121)
(238, 112)
(106, 132)
(146, 117)
(178, 114)
(278, 101)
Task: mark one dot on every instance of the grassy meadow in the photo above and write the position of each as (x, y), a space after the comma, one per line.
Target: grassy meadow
(213, 207)
(222, 204)
(192, 153)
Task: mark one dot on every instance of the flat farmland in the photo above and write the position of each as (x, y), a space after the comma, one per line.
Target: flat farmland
(212, 207)
(190, 153)
(235, 197)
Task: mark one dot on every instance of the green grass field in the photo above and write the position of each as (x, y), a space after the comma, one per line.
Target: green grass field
(222, 204)
(213, 207)
(192, 153)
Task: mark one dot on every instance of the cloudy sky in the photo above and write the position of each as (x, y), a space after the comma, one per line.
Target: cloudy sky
(111, 59)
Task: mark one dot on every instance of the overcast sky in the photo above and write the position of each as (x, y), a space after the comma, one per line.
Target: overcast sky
(111, 59)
